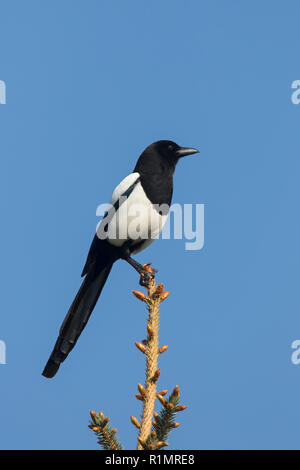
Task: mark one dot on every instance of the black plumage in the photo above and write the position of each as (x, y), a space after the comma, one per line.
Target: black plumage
(151, 183)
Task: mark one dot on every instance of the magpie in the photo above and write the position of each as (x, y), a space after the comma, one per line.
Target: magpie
(148, 188)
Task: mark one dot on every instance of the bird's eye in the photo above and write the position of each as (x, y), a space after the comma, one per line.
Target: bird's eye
(170, 147)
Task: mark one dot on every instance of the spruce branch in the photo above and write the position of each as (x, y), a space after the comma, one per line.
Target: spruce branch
(106, 435)
(151, 350)
(165, 421)
(154, 428)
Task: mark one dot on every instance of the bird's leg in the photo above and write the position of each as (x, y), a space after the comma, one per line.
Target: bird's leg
(146, 275)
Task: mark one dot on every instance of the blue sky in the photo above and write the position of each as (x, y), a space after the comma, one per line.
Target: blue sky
(89, 85)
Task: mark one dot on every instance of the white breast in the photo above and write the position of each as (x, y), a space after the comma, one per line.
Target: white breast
(136, 219)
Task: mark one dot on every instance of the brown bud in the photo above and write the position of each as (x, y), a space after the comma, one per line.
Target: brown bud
(153, 434)
(156, 375)
(140, 346)
(156, 414)
(159, 289)
(101, 415)
(142, 390)
(141, 441)
(93, 414)
(162, 349)
(139, 397)
(105, 421)
(148, 268)
(135, 422)
(175, 425)
(163, 392)
(161, 444)
(114, 430)
(139, 295)
(170, 406)
(164, 295)
(180, 407)
(150, 331)
(96, 428)
(161, 399)
(154, 423)
(175, 392)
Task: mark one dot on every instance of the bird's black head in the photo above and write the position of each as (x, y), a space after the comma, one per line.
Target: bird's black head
(162, 155)
(170, 150)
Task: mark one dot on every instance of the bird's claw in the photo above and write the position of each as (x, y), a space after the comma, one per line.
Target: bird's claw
(145, 279)
(147, 274)
(149, 269)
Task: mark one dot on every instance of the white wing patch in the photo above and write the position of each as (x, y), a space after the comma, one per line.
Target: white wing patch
(135, 218)
(123, 186)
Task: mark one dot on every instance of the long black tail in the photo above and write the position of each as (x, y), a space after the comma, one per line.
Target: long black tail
(77, 317)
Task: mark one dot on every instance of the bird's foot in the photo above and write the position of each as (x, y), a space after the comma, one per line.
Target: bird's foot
(149, 269)
(147, 274)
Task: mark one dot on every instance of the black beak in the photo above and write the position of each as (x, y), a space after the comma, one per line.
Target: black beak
(183, 151)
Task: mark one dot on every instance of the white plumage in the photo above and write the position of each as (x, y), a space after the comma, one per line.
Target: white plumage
(135, 218)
